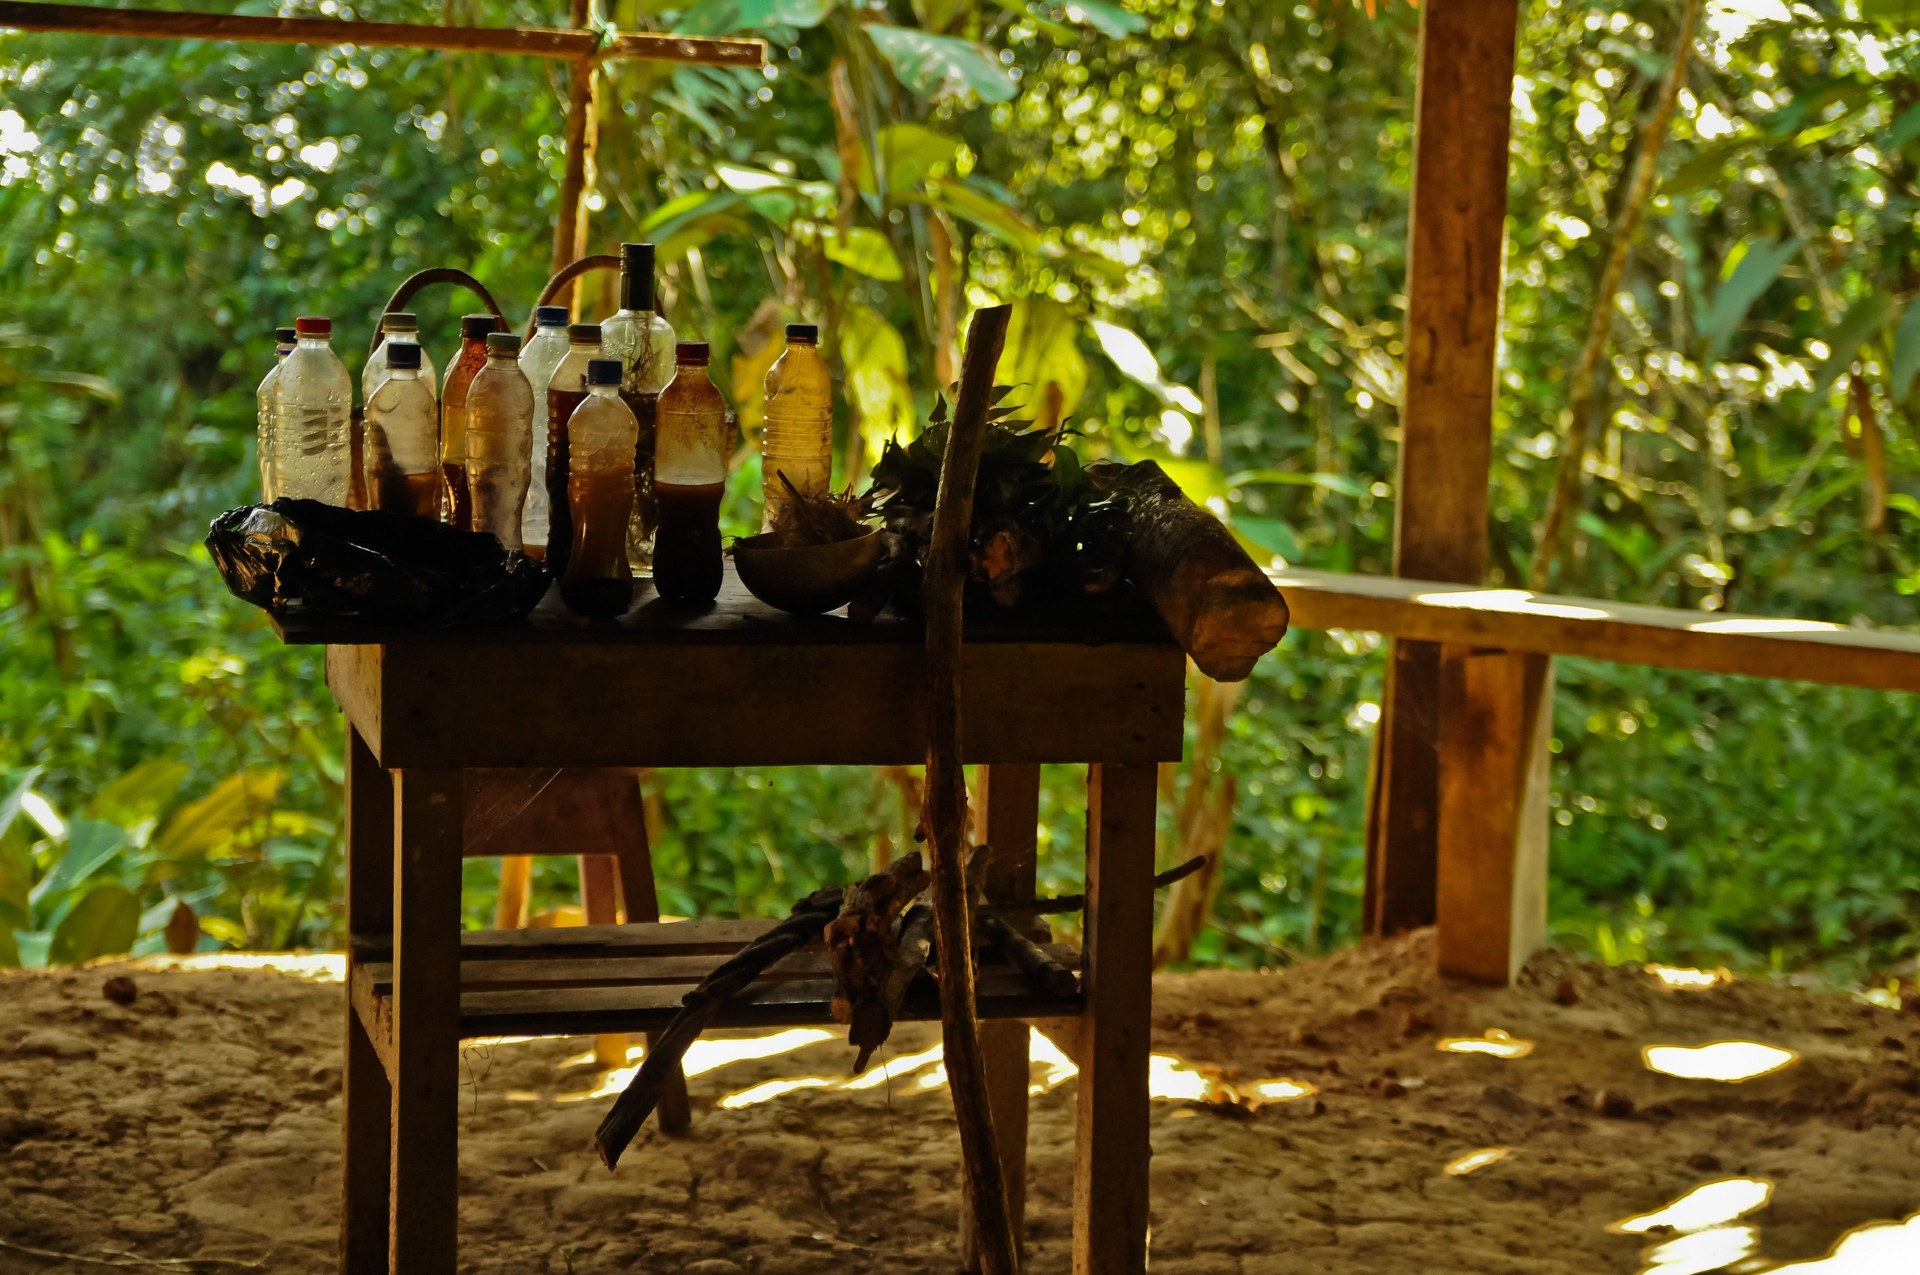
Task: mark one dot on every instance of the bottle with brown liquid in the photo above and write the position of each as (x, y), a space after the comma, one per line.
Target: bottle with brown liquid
(499, 438)
(402, 452)
(689, 478)
(598, 583)
(565, 392)
(456, 509)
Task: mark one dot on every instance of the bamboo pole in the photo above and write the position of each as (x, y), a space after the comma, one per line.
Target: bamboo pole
(540, 42)
(583, 138)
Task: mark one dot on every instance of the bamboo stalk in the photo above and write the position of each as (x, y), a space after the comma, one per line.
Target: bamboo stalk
(540, 42)
(1581, 384)
(583, 135)
(944, 812)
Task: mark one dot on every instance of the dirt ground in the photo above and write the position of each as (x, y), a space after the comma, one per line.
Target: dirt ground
(202, 1122)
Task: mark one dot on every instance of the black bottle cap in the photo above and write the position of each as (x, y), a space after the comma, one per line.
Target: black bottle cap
(503, 343)
(803, 333)
(550, 316)
(403, 356)
(636, 276)
(474, 327)
(691, 352)
(286, 336)
(604, 371)
(584, 332)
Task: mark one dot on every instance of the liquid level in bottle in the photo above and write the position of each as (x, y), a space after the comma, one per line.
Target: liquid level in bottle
(454, 502)
(560, 405)
(416, 495)
(686, 553)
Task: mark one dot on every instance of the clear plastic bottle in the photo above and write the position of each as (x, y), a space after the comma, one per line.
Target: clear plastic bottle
(284, 341)
(690, 477)
(396, 325)
(312, 406)
(403, 437)
(565, 391)
(798, 437)
(641, 339)
(597, 582)
(499, 436)
(537, 362)
(455, 507)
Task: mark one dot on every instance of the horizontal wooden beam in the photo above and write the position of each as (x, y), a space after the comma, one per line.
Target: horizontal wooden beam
(539, 42)
(1547, 624)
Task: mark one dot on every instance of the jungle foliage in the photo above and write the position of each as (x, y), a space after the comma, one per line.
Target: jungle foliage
(1198, 208)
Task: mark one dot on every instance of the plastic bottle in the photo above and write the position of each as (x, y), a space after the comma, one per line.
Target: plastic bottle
(641, 339)
(284, 341)
(312, 404)
(403, 437)
(537, 362)
(499, 437)
(597, 581)
(798, 438)
(690, 477)
(396, 325)
(565, 391)
(455, 507)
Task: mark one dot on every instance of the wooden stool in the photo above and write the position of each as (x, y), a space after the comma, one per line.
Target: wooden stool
(735, 685)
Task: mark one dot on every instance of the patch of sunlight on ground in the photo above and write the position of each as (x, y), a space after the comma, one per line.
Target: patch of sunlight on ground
(1707, 1205)
(1679, 978)
(1704, 1252)
(1724, 1060)
(701, 1057)
(311, 967)
(1495, 1043)
(1460, 1166)
(1878, 1248)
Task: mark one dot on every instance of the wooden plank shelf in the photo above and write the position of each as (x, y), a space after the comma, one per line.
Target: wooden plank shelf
(631, 978)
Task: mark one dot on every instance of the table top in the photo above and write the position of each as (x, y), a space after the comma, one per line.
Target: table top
(737, 618)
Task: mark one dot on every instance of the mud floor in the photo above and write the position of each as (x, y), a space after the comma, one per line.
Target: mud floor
(1312, 1123)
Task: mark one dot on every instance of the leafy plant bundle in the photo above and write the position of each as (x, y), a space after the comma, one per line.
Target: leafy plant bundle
(1037, 523)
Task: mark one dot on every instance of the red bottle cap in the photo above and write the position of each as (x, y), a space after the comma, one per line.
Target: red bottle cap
(313, 326)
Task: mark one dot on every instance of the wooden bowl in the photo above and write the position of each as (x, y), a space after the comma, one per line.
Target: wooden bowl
(811, 579)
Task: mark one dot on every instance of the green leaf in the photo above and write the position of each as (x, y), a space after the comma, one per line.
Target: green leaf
(104, 923)
(138, 794)
(1200, 480)
(1042, 350)
(9, 949)
(875, 358)
(1704, 167)
(1902, 15)
(1754, 265)
(908, 152)
(1904, 130)
(865, 250)
(90, 843)
(802, 14)
(224, 930)
(1268, 536)
(1906, 351)
(1287, 477)
(939, 65)
(209, 824)
(1105, 17)
(1861, 321)
(985, 211)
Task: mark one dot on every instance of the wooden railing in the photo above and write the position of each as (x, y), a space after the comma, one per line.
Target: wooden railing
(1495, 717)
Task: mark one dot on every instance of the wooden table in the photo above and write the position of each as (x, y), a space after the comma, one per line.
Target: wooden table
(734, 685)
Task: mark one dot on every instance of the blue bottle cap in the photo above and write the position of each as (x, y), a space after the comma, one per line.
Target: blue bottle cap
(604, 371)
(550, 316)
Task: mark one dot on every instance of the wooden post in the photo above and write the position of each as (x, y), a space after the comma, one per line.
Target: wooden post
(1010, 813)
(366, 1095)
(426, 1021)
(1111, 1145)
(1458, 227)
(583, 137)
(1496, 723)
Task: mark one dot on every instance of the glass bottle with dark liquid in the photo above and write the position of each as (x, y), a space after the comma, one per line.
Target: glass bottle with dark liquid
(455, 506)
(598, 583)
(401, 458)
(689, 478)
(565, 392)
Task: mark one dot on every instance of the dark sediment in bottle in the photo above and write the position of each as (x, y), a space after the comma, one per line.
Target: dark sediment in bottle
(686, 554)
(416, 495)
(597, 583)
(560, 405)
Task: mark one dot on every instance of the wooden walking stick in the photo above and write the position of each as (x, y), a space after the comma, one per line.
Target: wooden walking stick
(943, 811)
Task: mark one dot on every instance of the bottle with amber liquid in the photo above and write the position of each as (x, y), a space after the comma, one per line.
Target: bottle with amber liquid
(456, 507)
(597, 582)
(689, 478)
(565, 392)
(643, 341)
(798, 437)
(499, 434)
(402, 453)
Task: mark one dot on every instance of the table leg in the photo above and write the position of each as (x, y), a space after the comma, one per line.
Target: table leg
(1010, 800)
(600, 902)
(642, 899)
(366, 1094)
(1111, 1145)
(426, 1021)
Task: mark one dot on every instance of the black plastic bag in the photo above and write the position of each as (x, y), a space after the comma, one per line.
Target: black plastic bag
(313, 564)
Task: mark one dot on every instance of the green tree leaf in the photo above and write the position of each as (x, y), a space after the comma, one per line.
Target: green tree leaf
(9, 947)
(1755, 263)
(874, 356)
(209, 824)
(1861, 321)
(90, 844)
(138, 794)
(967, 201)
(909, 152)
(1043, 349)
(1107, 18)
(863, 249)
(103, 923)
(1902, 15)
(1906, 351)
(939, 65)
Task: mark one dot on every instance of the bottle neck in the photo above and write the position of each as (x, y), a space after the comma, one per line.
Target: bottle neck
(309, 341)
(405, 373)
(811, 347)
(604, 391)
(636, 291)
(501, 360)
